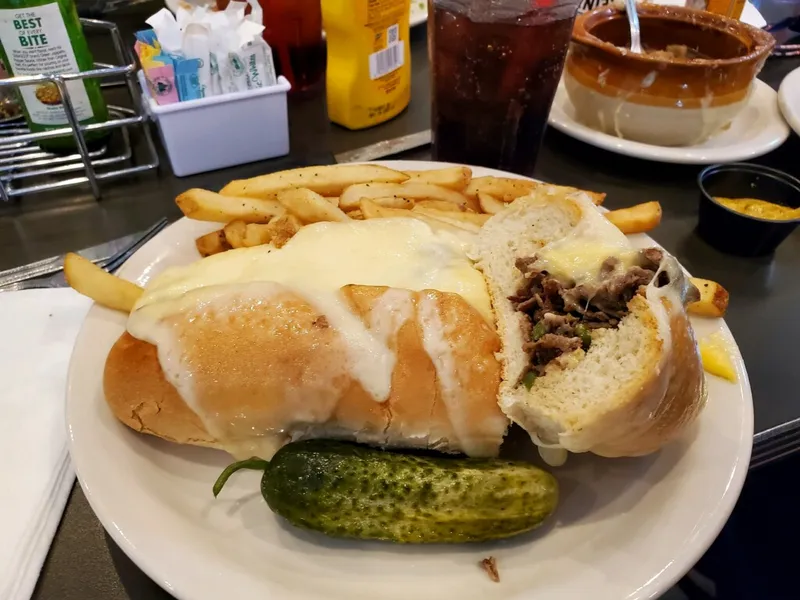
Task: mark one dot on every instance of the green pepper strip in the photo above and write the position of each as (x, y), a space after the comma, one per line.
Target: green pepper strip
(257, 464)
(528, 379)
(538, 331)
(584, 334)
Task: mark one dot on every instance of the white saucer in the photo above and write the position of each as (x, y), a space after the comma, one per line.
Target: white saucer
(419, 13)
(789, 99)
(758, 129)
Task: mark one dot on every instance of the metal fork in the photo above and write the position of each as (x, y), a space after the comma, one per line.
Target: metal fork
(111, 265)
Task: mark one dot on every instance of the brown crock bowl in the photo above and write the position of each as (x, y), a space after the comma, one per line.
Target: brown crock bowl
(657, 100)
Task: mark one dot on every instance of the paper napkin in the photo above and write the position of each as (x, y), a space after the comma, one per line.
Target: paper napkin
(37, 332)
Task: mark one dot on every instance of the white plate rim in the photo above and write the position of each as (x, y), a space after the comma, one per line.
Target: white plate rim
(790, 107)
(418, 16)
(128, 542)
(769, 139)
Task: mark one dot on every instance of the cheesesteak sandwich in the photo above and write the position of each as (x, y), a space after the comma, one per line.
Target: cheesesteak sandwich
(597, 351)
(385, 332)
(375, 331)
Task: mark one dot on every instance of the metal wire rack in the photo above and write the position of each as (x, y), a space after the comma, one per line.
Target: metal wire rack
(26, 169)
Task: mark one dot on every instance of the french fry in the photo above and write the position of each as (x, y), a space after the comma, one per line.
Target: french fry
(106, 289)
(452, 178)
(392, 202)
(506, 189)
(636, 219)
(325, 180)
(212, 243)
(509, 189)
(461, 217)
(356, 215)
(352, 196)
(371, 210)
(257, 234)
(549, 191)
(202, 205)
(332, 199)
(440, 205)
(246, 235)
(234, 233)
(309, 206)
(713, 299)
(489, 204)
(283, 229)
(597, 198)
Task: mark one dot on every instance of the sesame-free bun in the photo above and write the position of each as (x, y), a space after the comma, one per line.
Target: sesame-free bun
(277, 370)
(636, 388)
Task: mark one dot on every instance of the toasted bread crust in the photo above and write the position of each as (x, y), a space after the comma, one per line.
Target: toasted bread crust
(254, 364)
(657, 405)
(655, 416)
(140, 396)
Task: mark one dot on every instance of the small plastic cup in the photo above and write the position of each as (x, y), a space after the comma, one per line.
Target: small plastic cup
(736, 233)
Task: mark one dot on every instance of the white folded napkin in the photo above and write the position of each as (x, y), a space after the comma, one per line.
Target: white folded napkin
(37, 332)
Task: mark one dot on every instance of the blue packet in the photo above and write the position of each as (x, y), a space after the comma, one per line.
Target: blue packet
(148, 36)
(187, 79)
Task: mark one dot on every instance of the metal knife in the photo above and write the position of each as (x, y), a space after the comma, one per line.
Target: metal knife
(386, 147)
(54, 264)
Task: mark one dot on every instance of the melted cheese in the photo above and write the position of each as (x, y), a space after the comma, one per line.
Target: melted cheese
(315, 264)
(579, 256)
(581, 261)
(716, 356)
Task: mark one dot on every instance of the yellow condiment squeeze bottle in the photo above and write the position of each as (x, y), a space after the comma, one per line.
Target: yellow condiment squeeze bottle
(368, 78)
(727, 8)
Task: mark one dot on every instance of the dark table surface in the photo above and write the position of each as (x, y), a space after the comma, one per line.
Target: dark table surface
(85, 564)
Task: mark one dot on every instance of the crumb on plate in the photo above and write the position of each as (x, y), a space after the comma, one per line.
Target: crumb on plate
(490, 566)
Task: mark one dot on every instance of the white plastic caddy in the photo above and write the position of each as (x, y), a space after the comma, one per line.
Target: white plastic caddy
(222, 131)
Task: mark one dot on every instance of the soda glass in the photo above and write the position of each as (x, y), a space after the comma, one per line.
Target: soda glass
(495, 67)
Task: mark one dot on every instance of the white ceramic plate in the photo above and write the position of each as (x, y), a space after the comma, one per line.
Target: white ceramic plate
(758, 129)
(789, 99)
(625, 529)
(419, 12)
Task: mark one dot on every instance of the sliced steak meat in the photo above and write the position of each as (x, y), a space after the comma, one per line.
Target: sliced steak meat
(549, 347)
(526, 265)
(560, 324)
(612, 295)
(651, 258)
(560, 315)
(608, 267)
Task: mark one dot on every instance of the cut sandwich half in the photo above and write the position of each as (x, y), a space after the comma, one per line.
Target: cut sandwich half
(597, 351)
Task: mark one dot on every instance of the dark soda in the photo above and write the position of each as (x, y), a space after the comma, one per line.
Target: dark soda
(493, 81)
(293, 28)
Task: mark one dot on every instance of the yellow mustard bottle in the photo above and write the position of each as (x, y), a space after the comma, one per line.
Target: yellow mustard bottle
(727, 8)
(368, 78)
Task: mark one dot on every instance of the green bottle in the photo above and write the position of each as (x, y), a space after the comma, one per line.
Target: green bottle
(45, 36)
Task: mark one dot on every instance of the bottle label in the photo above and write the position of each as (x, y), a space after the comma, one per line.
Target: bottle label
(390, 58)
(388, 65)
(36, 42)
